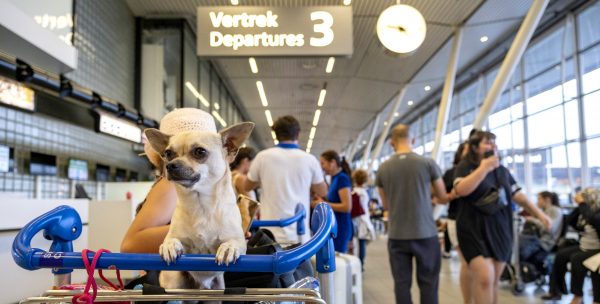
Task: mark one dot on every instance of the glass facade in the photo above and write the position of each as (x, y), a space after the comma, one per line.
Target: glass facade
(546, 119)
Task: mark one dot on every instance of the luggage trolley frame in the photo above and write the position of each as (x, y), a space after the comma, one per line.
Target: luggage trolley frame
(62, 225)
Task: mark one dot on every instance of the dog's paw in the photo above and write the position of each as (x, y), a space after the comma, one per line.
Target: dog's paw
(227, 253)
(170, 250)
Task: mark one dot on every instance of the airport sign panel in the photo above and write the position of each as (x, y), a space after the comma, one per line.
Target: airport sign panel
(225, 31)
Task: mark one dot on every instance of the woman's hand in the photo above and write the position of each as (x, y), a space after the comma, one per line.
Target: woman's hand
(490, 163)
(315, 201)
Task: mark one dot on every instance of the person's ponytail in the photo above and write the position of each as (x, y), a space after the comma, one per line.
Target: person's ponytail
(345, 166)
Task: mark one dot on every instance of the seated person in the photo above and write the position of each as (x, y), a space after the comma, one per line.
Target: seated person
(536, 242)
(586, 219)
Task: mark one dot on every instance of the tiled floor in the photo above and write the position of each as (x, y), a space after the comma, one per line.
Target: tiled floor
(378, 285)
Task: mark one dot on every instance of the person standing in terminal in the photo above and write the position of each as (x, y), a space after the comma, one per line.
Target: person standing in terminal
(453, 210)
(363, 228)
(287, 175)
(405, 182)
(338, 197)
(484, 226)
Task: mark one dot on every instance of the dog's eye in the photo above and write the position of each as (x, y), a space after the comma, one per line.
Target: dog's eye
(199, 153)
(169, 154)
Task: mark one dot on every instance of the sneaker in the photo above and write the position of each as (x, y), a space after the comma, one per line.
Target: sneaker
(446, 255)
(551, 297)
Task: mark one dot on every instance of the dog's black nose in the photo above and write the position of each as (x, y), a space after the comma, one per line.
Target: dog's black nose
(173, 166)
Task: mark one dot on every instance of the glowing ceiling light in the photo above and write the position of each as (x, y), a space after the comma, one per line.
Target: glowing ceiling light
(269, 118)
(261, 93)
(427, 88)
(321, 97)
(483, 39)
(197, 94)
(410, 103)
(219, 118)
(396, 114)
(253, 65)
(312, 133)
(217, 107)
(330, 64)
(347, 2)
(309, 144)
(235, 2)
(316, 119)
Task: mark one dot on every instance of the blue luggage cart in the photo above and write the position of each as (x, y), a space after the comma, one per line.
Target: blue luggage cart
(63, 225)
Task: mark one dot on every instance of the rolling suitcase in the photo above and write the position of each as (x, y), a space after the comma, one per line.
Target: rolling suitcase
(347, 279)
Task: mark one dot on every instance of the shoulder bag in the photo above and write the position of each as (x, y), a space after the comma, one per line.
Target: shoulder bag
(494, 199)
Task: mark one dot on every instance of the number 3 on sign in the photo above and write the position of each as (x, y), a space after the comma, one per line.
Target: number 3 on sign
(324, 28)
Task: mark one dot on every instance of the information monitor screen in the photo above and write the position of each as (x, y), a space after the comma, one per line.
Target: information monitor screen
(42, 164)
(78, 169)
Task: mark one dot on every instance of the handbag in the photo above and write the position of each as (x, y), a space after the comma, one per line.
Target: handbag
(493, 200)
(357, 209)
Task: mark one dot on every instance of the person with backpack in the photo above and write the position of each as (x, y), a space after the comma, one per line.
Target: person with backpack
(338, 197)
(363, 228)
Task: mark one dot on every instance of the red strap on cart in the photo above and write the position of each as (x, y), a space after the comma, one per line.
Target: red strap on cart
(86, 297)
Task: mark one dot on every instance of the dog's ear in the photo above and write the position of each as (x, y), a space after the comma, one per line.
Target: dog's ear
(158, 140)
(234, 136)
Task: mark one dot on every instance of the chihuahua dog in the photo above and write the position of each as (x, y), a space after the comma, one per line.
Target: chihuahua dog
(206, 219)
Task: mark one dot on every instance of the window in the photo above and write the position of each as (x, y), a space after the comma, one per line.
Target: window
(544, 91)
(574, 158)
(572, 119)
(543, 54)
(550, 170)
(591, 107)
(503, 138)
(546, 128)
(469, 97)
(590, 69)
(593, 152)
(588, 24)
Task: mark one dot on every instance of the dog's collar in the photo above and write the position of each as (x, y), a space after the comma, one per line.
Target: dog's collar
(288, 146)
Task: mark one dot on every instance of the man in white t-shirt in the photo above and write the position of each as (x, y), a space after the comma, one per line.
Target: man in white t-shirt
(287, 176)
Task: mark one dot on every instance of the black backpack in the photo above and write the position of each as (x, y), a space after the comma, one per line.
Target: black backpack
(263, 242)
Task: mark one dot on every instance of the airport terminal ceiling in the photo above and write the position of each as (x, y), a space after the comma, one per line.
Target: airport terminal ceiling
(362, 85)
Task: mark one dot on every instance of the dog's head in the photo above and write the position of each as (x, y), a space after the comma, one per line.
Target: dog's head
(196, 159)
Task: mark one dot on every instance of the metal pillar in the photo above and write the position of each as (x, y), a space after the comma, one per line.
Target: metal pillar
(370, 144)
(386, 128)
(446, 102)
(353, 148)
(512, 59)
(585, 172)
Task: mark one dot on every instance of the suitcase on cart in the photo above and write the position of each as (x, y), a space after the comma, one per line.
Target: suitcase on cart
(347, 279)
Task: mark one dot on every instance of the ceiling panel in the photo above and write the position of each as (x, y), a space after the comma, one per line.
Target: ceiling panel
(360, 85)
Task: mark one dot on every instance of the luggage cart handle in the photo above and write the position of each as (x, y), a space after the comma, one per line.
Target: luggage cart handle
(299, 216)
(63, 224)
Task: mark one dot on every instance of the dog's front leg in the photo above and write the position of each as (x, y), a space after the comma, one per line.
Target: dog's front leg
(230, 251)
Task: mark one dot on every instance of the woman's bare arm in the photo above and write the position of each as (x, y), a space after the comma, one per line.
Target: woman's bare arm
(150, 226)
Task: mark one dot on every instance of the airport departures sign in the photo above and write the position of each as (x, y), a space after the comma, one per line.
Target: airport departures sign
(274, 31)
